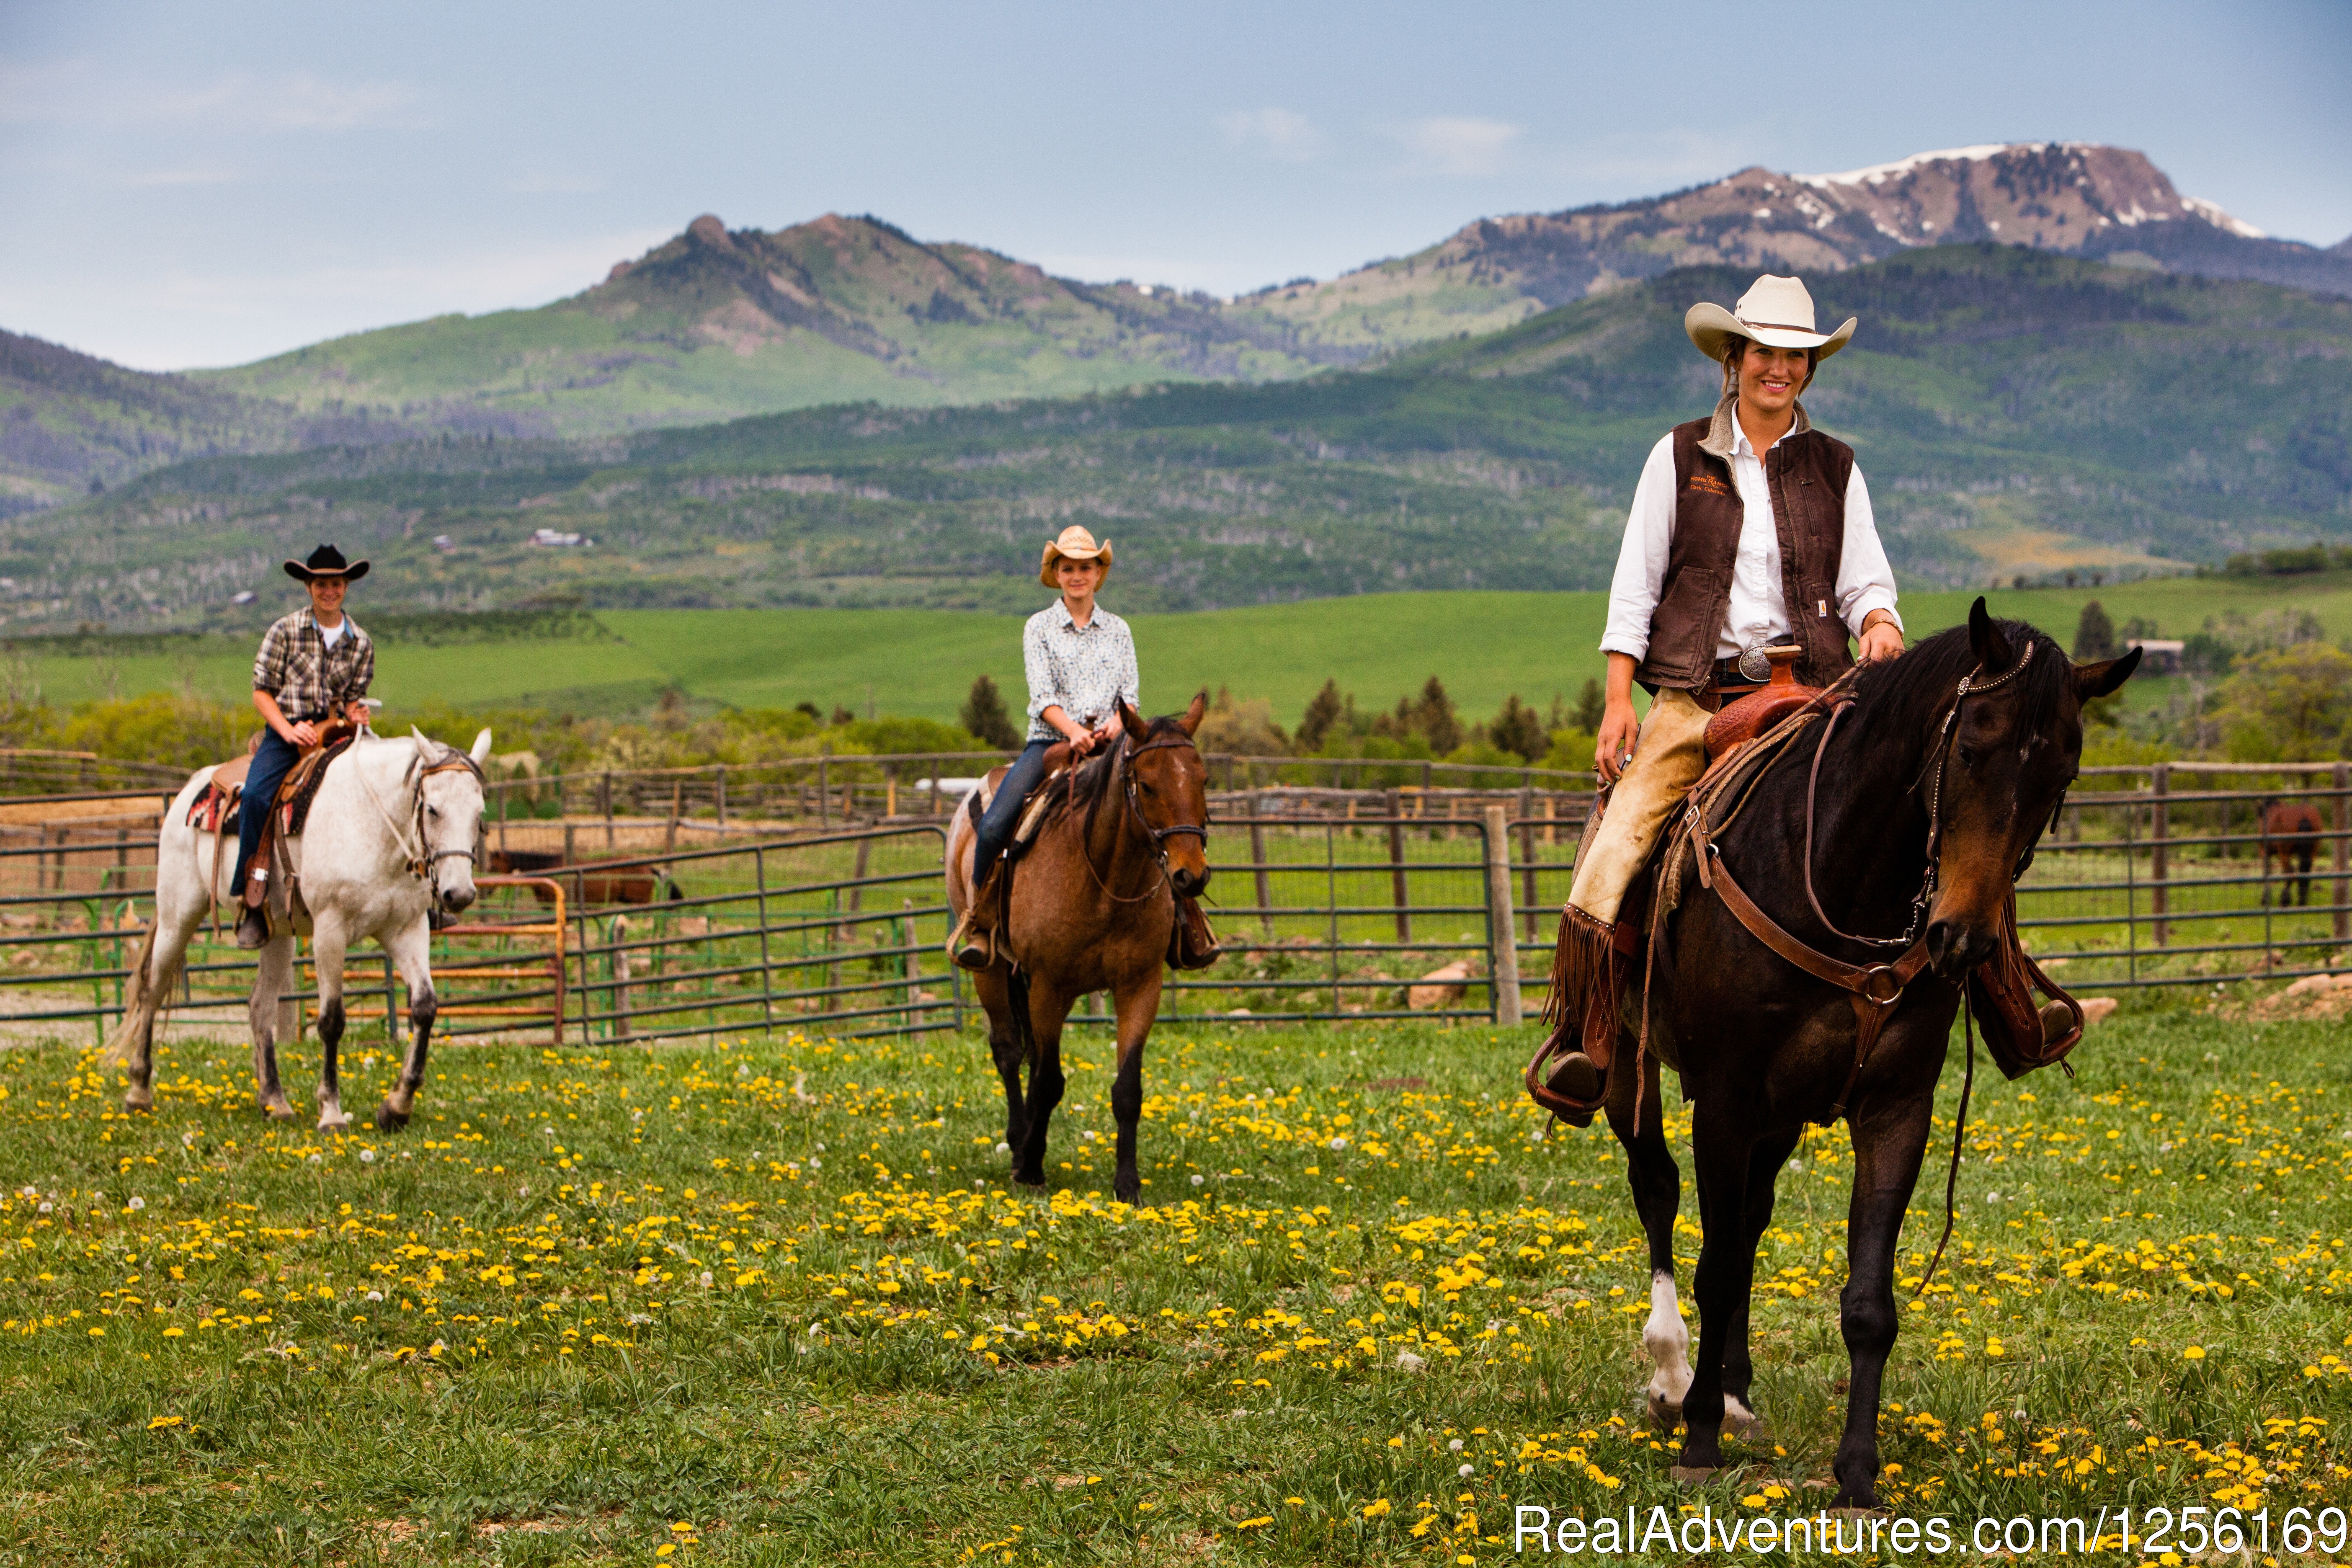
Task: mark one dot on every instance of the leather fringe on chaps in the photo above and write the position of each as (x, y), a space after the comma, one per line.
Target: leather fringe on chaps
(1587, 970)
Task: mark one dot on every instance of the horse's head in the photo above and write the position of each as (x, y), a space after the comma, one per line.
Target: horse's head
(449, 816)
(1995, 777)
(1171, 790)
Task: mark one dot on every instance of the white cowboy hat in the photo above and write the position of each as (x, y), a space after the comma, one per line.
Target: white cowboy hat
(1775, 311)
(1075, 544)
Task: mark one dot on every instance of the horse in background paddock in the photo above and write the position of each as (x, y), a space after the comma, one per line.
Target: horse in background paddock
(391, 837)
(2291, 830)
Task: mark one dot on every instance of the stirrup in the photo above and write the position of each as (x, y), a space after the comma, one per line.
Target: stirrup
(1581, 1083)
(971, 948)
(252, 928)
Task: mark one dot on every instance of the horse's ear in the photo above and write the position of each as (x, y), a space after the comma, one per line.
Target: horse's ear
(1194, 715)
(481, 752)
(2097, 679)
(1139, 729)
(1991, 645)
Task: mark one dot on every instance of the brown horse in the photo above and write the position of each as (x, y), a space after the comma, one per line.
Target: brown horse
(2291, 836)
(1093, 908)
(1933, 788)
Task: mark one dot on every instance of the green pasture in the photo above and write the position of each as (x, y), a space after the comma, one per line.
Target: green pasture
(769, 1300)
(1485, 646)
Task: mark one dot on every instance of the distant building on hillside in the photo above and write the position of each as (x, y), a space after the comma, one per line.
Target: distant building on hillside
(2158, 656)
(556, 538)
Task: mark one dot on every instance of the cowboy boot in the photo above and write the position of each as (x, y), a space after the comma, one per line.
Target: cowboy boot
(253, 918)
(972, 944)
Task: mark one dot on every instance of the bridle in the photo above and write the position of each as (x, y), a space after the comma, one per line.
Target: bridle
(421, 857)
(1157, 836)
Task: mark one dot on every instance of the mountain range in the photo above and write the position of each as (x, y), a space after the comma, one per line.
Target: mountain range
(2019, 412)
(720, 323)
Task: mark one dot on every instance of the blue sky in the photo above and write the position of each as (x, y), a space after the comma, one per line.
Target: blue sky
(204, 184)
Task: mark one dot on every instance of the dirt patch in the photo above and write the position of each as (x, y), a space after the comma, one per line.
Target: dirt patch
(2313, 997)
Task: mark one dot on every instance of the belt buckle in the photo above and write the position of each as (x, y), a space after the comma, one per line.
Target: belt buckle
(1752, 663)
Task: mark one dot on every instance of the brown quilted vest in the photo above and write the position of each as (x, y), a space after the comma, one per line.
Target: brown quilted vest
(1806, 473)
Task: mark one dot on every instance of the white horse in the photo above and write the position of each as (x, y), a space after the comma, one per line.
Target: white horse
(394, 830)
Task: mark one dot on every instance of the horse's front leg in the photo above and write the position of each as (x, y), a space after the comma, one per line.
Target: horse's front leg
(330, 947)
(411, 953)
(1137, 1008)
(1889, 1139)
(1657, 1184)
(1005, 1047)
(1047, 1009)
(1722, 1150)
(271, 981)
(1739, 1417)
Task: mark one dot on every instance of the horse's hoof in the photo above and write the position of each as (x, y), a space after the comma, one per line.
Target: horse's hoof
(279, 1109)
(1696, 1475)
(1744, 1424)
(1864, 1511)
(1665, 1413)
(334, 1121)
(1025, 1179)
(387, 1119)
(139, 1099)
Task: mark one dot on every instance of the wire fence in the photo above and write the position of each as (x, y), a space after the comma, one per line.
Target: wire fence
(1332, 903)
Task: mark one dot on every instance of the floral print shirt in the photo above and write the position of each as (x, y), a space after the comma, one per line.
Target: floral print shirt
(1083, 670)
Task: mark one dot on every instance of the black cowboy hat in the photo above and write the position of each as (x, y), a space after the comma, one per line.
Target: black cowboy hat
(325, 561)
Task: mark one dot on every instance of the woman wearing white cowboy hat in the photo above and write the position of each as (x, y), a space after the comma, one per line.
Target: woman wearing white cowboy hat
(1080, 660)
(1749, 529)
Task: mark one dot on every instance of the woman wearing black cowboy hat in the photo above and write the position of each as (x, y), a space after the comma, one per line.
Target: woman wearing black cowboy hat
(314, 667)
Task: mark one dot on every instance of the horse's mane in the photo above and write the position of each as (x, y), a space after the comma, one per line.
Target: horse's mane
(1909, 694)
(1087, 786)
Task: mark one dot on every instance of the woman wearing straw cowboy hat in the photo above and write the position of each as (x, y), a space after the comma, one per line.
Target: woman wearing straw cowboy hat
(1750, 530)
(314, 667)
(1080, 660)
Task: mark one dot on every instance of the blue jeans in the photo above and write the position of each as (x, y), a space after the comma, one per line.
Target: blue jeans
(1003, 813)
(269, 766)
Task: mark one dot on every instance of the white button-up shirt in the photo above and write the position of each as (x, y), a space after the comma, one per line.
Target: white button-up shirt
(1083, 670)
(1759, 611)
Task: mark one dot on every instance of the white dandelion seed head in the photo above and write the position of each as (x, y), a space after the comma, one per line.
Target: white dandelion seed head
(44, 1205)
(1001, 1148)
(1454, 1447)
(704, 1279)
(367, 1156)
(316, 1160)
(522, 1192)
(375, 1295)
(1197, 1180)
(137, 1203)
(1466, 1471)
(1337, 1144)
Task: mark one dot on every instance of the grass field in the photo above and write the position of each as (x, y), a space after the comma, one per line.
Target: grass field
(1486, 646)
(771, 1301)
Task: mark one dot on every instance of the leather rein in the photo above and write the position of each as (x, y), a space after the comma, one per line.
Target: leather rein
(423, 858)
(1874, 989)
(1157, 836)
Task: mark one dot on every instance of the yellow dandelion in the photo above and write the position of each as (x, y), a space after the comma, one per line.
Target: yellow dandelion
(2194, 1353)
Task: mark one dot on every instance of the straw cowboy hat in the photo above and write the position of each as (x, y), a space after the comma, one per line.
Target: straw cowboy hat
(1775, 311)
(325, 561)
(1075, 544)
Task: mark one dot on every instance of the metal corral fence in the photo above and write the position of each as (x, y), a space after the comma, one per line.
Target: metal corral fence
(1332, 903)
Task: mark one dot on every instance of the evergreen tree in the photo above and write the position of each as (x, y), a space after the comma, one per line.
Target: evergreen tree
(983, 715)
(1590, 706)
(1433, 716)
(1323, 713)
(1520, 730)
(2095, 635)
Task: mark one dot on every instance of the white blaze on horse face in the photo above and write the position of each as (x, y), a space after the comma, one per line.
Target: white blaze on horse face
(453, 819)
(1667, 1340)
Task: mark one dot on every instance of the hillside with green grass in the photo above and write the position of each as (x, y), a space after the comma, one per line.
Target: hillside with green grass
(2019, 413)
(1485, 647)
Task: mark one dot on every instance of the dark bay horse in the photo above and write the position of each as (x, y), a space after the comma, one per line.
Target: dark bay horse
(1765, 1048)
(2291, 832)
(1093, 910)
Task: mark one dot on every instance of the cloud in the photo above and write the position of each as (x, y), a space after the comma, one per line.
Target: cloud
(1282, 134)
(154, 177)
(296, 100)
(1457, 146)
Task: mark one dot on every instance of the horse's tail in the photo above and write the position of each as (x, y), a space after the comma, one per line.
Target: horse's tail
(123, 1042)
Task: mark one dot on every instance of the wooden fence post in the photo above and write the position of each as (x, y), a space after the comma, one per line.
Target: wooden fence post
(1527, 855)
(620, 930)
(2343, 851)
(2159, 829)
(1503, 926)
(824, 785)
(1258, 857)
(1396, 867)
(720, 796)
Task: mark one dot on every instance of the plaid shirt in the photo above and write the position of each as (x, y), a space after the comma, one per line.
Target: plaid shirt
(310, 680)
(1083, 670)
